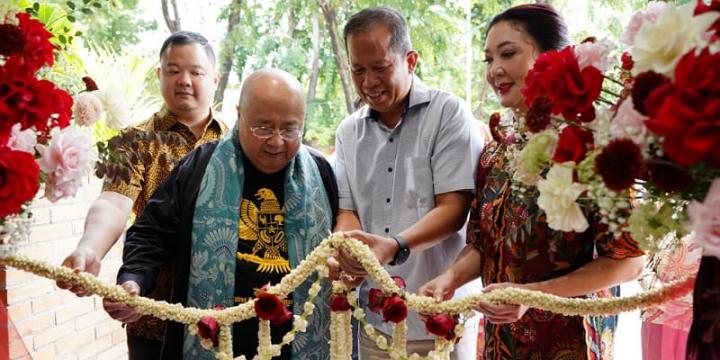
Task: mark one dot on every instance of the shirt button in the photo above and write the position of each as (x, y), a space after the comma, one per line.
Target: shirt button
(391, 140)
(387, 200)
(387, 230)
(389, 169)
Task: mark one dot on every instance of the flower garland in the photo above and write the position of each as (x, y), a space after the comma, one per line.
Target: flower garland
(342, 345)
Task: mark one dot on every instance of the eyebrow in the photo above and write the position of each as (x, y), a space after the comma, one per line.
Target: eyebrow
(504, 43)
(192, 66)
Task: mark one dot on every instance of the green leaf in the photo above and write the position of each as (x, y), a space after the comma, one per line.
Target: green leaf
(62, 39)
(78, 33)
(29, 10)
(71, 5)
(86, 1)
(71, 18)
(87, 11)
(97, 5)
(36, 6)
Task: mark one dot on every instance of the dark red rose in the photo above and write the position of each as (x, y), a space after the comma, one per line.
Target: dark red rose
(441, 325)
(376, 298)
(208, 328)
(285, 316)
(90, 84)
(31, 102)
(702, 8)
(400, 282)
(12, 40)
(394, 309)
(339, 303)
(668, 176)
(557, 75)
(573, 144)
(619, 164)
(627, 61)
(38, 49)
(645, 83)
(268, 306)
(687, 113)
(219, 307)
(538, 116)
(19, 180)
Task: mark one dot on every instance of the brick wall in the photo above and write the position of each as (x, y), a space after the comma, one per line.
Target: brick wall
(51, 323)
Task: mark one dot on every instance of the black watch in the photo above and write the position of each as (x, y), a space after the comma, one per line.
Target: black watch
(403, 252)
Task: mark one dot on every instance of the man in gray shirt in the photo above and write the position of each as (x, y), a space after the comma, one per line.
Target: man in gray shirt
(405, 165)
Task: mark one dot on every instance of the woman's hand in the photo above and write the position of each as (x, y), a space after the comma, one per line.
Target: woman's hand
(502, 313)
(440, 288)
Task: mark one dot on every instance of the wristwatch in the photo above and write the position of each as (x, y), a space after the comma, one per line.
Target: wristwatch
(403, 252)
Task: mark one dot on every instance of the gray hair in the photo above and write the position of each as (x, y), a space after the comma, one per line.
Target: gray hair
(369, 18)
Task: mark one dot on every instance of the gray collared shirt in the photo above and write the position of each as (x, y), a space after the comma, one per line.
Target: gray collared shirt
(390, 177)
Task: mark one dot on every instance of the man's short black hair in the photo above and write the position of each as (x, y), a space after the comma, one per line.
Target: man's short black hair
(188, 37)
(369, 18)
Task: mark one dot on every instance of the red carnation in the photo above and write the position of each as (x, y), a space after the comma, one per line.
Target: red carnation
(687, 113)
(619, 164)
(557, 75)
(376, 298)
(645, 84)
(208, 328)
(400, 282)
(394, 309)
(268, 306)
(627, 61)
(668, 176)
(702, 8)
(441, 325)
(538, 116)
(38, 48)
(19, 180)
(573, 144)
(12, 40)
(339, 303)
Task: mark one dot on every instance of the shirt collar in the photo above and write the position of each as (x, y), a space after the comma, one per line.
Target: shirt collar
(166, 120)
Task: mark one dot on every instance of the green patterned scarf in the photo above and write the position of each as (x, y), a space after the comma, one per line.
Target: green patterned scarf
(308, 219)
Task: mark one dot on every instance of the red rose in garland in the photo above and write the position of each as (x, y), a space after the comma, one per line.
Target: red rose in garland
(270, 307)
(31, 102)
(394, 309)
(687, 112)
(399, 281)
(339, 303)
(208, 328)
(376, 298)
(557, 75)
(38, 50)
(19, 180)
(441, 325)
(573, 144)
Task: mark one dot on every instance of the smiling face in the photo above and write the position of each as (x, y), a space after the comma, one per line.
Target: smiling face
(382, 77)
(509, 53)
(274, 101)
(187, 80)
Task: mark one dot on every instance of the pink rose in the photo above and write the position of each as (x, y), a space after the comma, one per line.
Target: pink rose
(705, 220)
(87, 109)
(629, 123)
(66, 161)
(649, 14)
(22, 140)
(595, 54)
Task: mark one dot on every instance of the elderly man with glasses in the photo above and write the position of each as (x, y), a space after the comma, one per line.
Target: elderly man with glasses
(235, 215)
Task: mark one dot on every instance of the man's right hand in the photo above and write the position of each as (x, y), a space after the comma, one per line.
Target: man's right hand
(121, 312)
(82, 259)
(440, 288)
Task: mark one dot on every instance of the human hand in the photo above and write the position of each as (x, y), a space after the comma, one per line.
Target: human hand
(383, 248)
(81, 259)
(334, 273)
(440, 288)
(501, 313)
(121, 312)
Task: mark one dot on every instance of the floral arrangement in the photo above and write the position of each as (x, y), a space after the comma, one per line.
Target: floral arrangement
(642, 151)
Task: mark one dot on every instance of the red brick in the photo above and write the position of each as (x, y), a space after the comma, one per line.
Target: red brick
(78, 307)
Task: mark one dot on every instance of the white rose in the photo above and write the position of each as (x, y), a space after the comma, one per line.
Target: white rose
(659, 45)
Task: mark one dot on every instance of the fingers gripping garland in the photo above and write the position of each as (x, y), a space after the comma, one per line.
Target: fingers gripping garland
(341, 343)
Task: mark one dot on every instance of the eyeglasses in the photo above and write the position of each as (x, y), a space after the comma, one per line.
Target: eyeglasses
(264, 133)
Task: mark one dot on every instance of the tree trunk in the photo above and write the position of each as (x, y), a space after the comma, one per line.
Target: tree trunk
(172, 22)
(227, 54)
(340, 59)
(315, 60)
